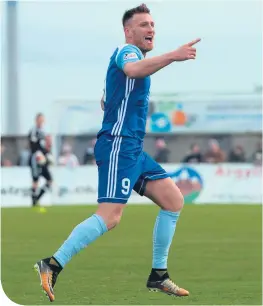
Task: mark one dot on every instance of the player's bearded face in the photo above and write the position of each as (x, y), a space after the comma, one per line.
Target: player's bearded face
(142, 32)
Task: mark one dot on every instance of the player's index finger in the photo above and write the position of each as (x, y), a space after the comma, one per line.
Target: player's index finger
(194, 42)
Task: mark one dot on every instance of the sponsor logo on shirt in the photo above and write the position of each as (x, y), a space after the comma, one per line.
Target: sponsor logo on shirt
(130, 56)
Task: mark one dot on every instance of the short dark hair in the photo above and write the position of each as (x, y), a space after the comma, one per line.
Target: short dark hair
(136, 10)
(39, 115)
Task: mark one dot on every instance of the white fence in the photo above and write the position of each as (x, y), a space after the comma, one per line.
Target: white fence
(200, 184)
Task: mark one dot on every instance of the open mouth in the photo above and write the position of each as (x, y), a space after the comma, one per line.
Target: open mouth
(149, 39)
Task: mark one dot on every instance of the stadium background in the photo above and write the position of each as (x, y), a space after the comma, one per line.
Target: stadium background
(54, 59)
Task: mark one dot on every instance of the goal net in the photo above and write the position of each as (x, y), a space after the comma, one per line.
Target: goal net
(74, 125)
(74, 118)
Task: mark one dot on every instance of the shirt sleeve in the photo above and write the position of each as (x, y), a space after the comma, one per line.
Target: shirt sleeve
(128, 54)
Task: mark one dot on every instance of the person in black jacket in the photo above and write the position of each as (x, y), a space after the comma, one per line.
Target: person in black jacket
(194, 156)
(237, 155)
(162, 152)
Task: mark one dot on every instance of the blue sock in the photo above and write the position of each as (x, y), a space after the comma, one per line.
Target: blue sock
(82, 235)
(163, 233)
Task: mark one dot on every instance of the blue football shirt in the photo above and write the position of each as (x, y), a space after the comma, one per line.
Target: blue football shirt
(125, 99)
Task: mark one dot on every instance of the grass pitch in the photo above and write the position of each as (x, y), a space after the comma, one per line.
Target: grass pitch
(216, 255)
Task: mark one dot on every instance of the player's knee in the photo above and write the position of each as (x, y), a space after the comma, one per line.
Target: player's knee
(179, 202)
(175, 202)
(113, 221)
(111, 214)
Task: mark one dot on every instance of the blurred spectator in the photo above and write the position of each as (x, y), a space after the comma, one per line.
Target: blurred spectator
(214, 154)
(237, 155)
(67, 158)
(194, 156)
(5, 162)
(89, 157)
(162, 152)
(23, 158)
(256, 158)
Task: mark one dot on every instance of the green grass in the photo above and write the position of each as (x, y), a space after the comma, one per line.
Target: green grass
(216, 255)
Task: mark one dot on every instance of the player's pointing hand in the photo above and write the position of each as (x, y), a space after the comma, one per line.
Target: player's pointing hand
(186, 51)
(193, 42)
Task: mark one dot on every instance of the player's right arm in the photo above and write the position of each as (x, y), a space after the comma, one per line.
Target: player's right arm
(148, 66)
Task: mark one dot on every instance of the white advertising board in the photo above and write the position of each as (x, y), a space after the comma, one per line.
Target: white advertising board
(217, 114)
(200, 184)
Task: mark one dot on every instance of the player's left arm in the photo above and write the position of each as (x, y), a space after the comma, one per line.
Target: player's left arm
(42, 143)
(102, 101)
(48, 147)
(48, 142)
